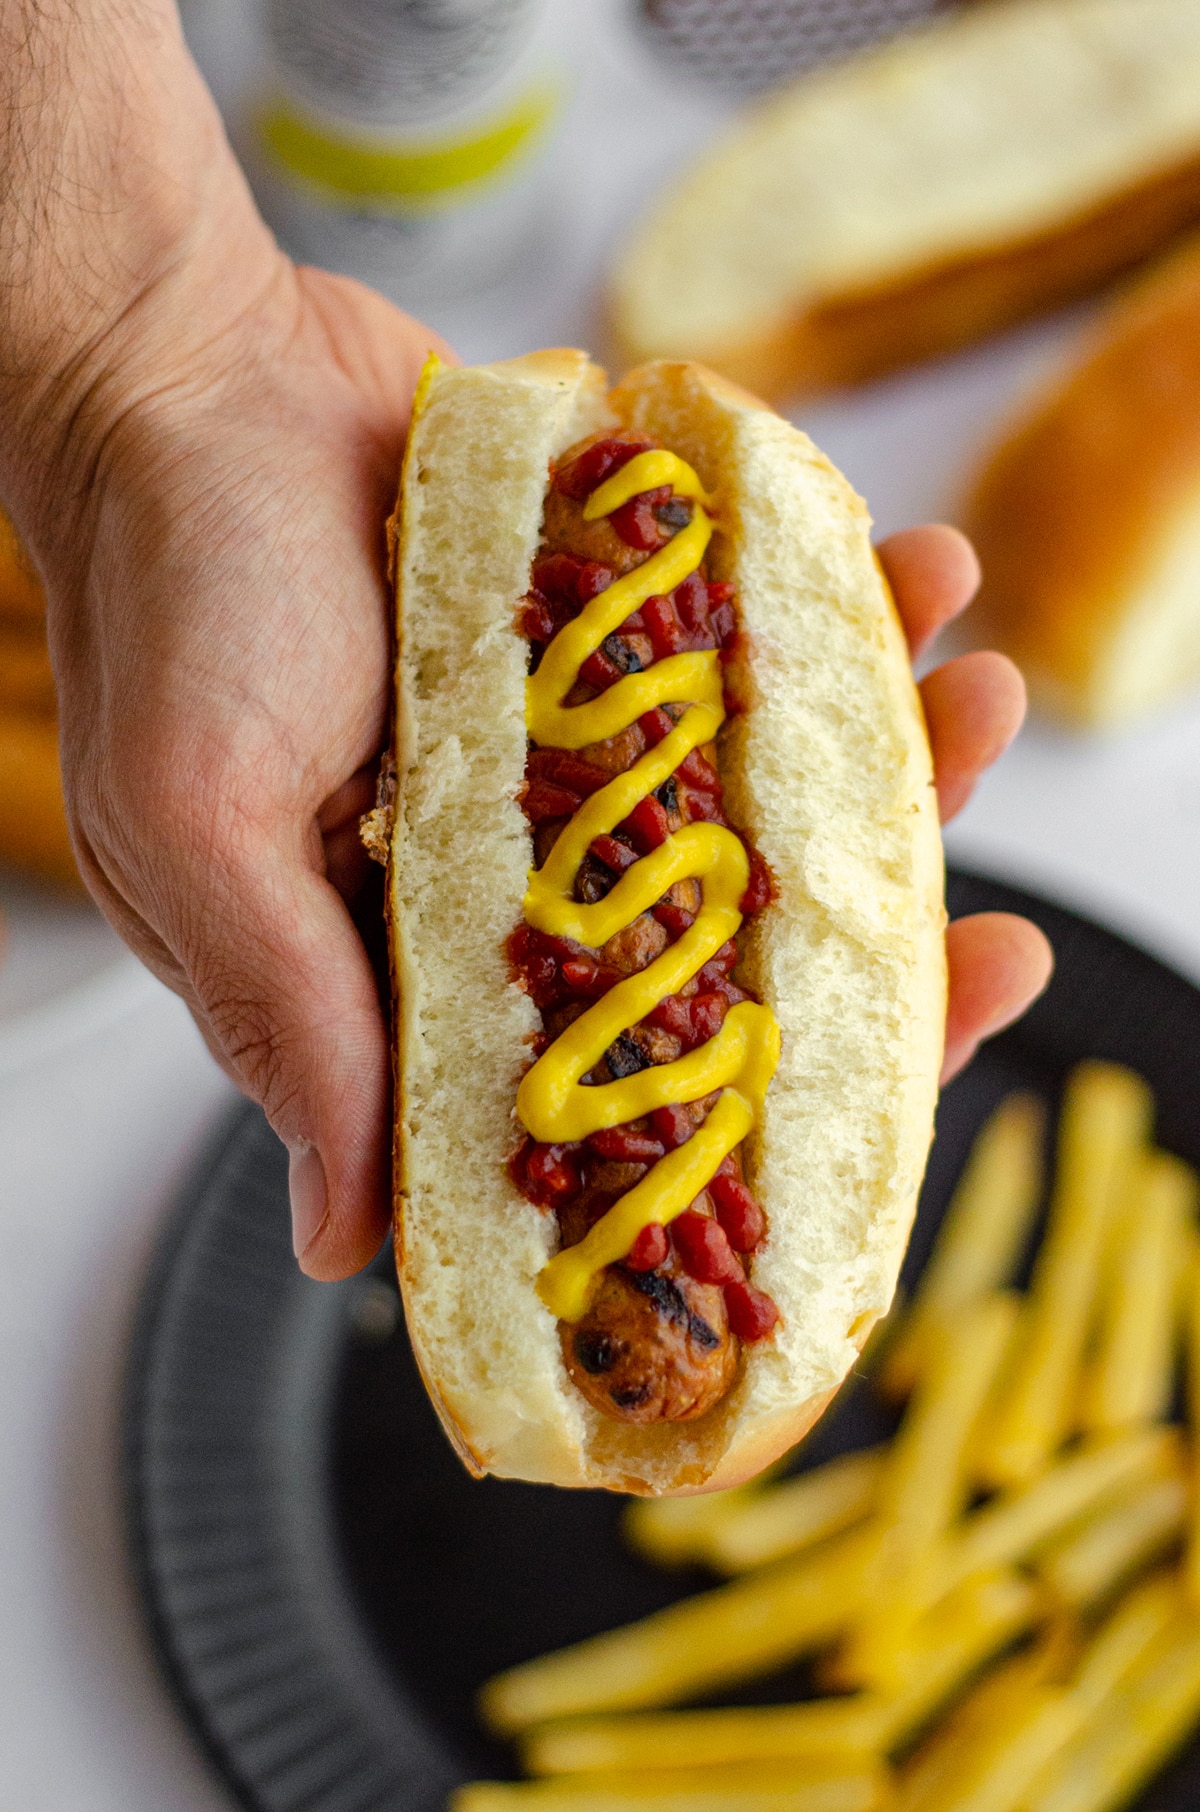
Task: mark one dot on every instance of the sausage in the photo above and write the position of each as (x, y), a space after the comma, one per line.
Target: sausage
(655, 1344)
(564, 530)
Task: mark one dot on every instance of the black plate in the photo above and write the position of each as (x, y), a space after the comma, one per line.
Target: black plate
(326, 1585)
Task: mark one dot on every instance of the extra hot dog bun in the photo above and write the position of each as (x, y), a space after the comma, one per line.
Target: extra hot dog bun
(926, 193)
(829, 771)
(1087, 514)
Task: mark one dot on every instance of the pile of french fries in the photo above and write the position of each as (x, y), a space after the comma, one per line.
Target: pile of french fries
(33, 825)
(1001, 1604)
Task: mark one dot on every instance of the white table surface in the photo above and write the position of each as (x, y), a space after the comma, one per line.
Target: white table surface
(97, 1130)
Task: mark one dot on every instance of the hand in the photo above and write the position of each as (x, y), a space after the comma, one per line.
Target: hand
(220, 619)
(974, 706)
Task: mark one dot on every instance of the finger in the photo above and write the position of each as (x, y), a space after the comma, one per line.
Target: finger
(149, 948)
(998, 966)
(347, 863)
(974, 706)
(349, 801)
(288, 992)
(934, 573)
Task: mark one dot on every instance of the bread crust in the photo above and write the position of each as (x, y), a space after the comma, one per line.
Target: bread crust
(857, 312)
(829, 772)
(1077, 509)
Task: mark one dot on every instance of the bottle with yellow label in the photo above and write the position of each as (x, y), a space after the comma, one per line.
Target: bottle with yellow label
(404, 141)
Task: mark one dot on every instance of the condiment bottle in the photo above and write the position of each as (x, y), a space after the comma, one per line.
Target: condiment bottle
(404, 141)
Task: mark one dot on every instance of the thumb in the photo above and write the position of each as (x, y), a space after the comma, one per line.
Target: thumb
(289, 997)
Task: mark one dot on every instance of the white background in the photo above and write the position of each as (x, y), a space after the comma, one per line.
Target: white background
(101, 1113)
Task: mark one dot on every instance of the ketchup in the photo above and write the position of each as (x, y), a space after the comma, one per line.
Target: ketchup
(563, 977)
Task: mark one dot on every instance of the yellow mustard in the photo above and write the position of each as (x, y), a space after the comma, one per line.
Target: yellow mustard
(553, 1103)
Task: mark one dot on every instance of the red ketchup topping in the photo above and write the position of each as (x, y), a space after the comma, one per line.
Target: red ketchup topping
(589, 469)
(704, 1250)
(649, 1250)
(558, 973)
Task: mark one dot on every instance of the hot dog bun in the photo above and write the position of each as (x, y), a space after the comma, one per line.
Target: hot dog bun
(930, 191)
(1087, 514)
(828, 769)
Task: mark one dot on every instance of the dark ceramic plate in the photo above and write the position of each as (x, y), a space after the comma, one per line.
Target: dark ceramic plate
(326, 1585)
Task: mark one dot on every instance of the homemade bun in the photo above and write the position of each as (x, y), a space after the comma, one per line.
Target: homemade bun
(829, 772)
(924, 194)
(1087, 514)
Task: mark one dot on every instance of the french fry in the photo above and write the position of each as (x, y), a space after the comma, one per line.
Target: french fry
(982, 1236)
(1122, 1748)
(674, 1531)
(1191, 1316)
(823, 1731)
(748, 1627)
(1132, 1376)
(21, 595)
(924, 1484)
(1105, 1122)
(995, 1743)
(791, 1515)
(33, 822)
(957, 1640)
(1139, 1526)
(953, 1642)
(901, 1592)
(1126, 1635)
(993, 1772)
(1014, 1526)
(768, 1789)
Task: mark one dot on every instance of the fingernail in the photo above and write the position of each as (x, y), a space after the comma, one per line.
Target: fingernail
(306, 1186)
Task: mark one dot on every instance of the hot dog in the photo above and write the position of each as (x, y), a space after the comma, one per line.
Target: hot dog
(665, 920)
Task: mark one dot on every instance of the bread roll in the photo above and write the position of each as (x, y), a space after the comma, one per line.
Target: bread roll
(1087, 514)
(829, 771)
(924, 194)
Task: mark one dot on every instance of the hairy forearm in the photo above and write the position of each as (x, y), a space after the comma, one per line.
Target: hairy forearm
(117, 177)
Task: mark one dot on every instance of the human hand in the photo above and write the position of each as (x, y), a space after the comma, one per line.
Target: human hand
(974, 706)
(220, 619)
